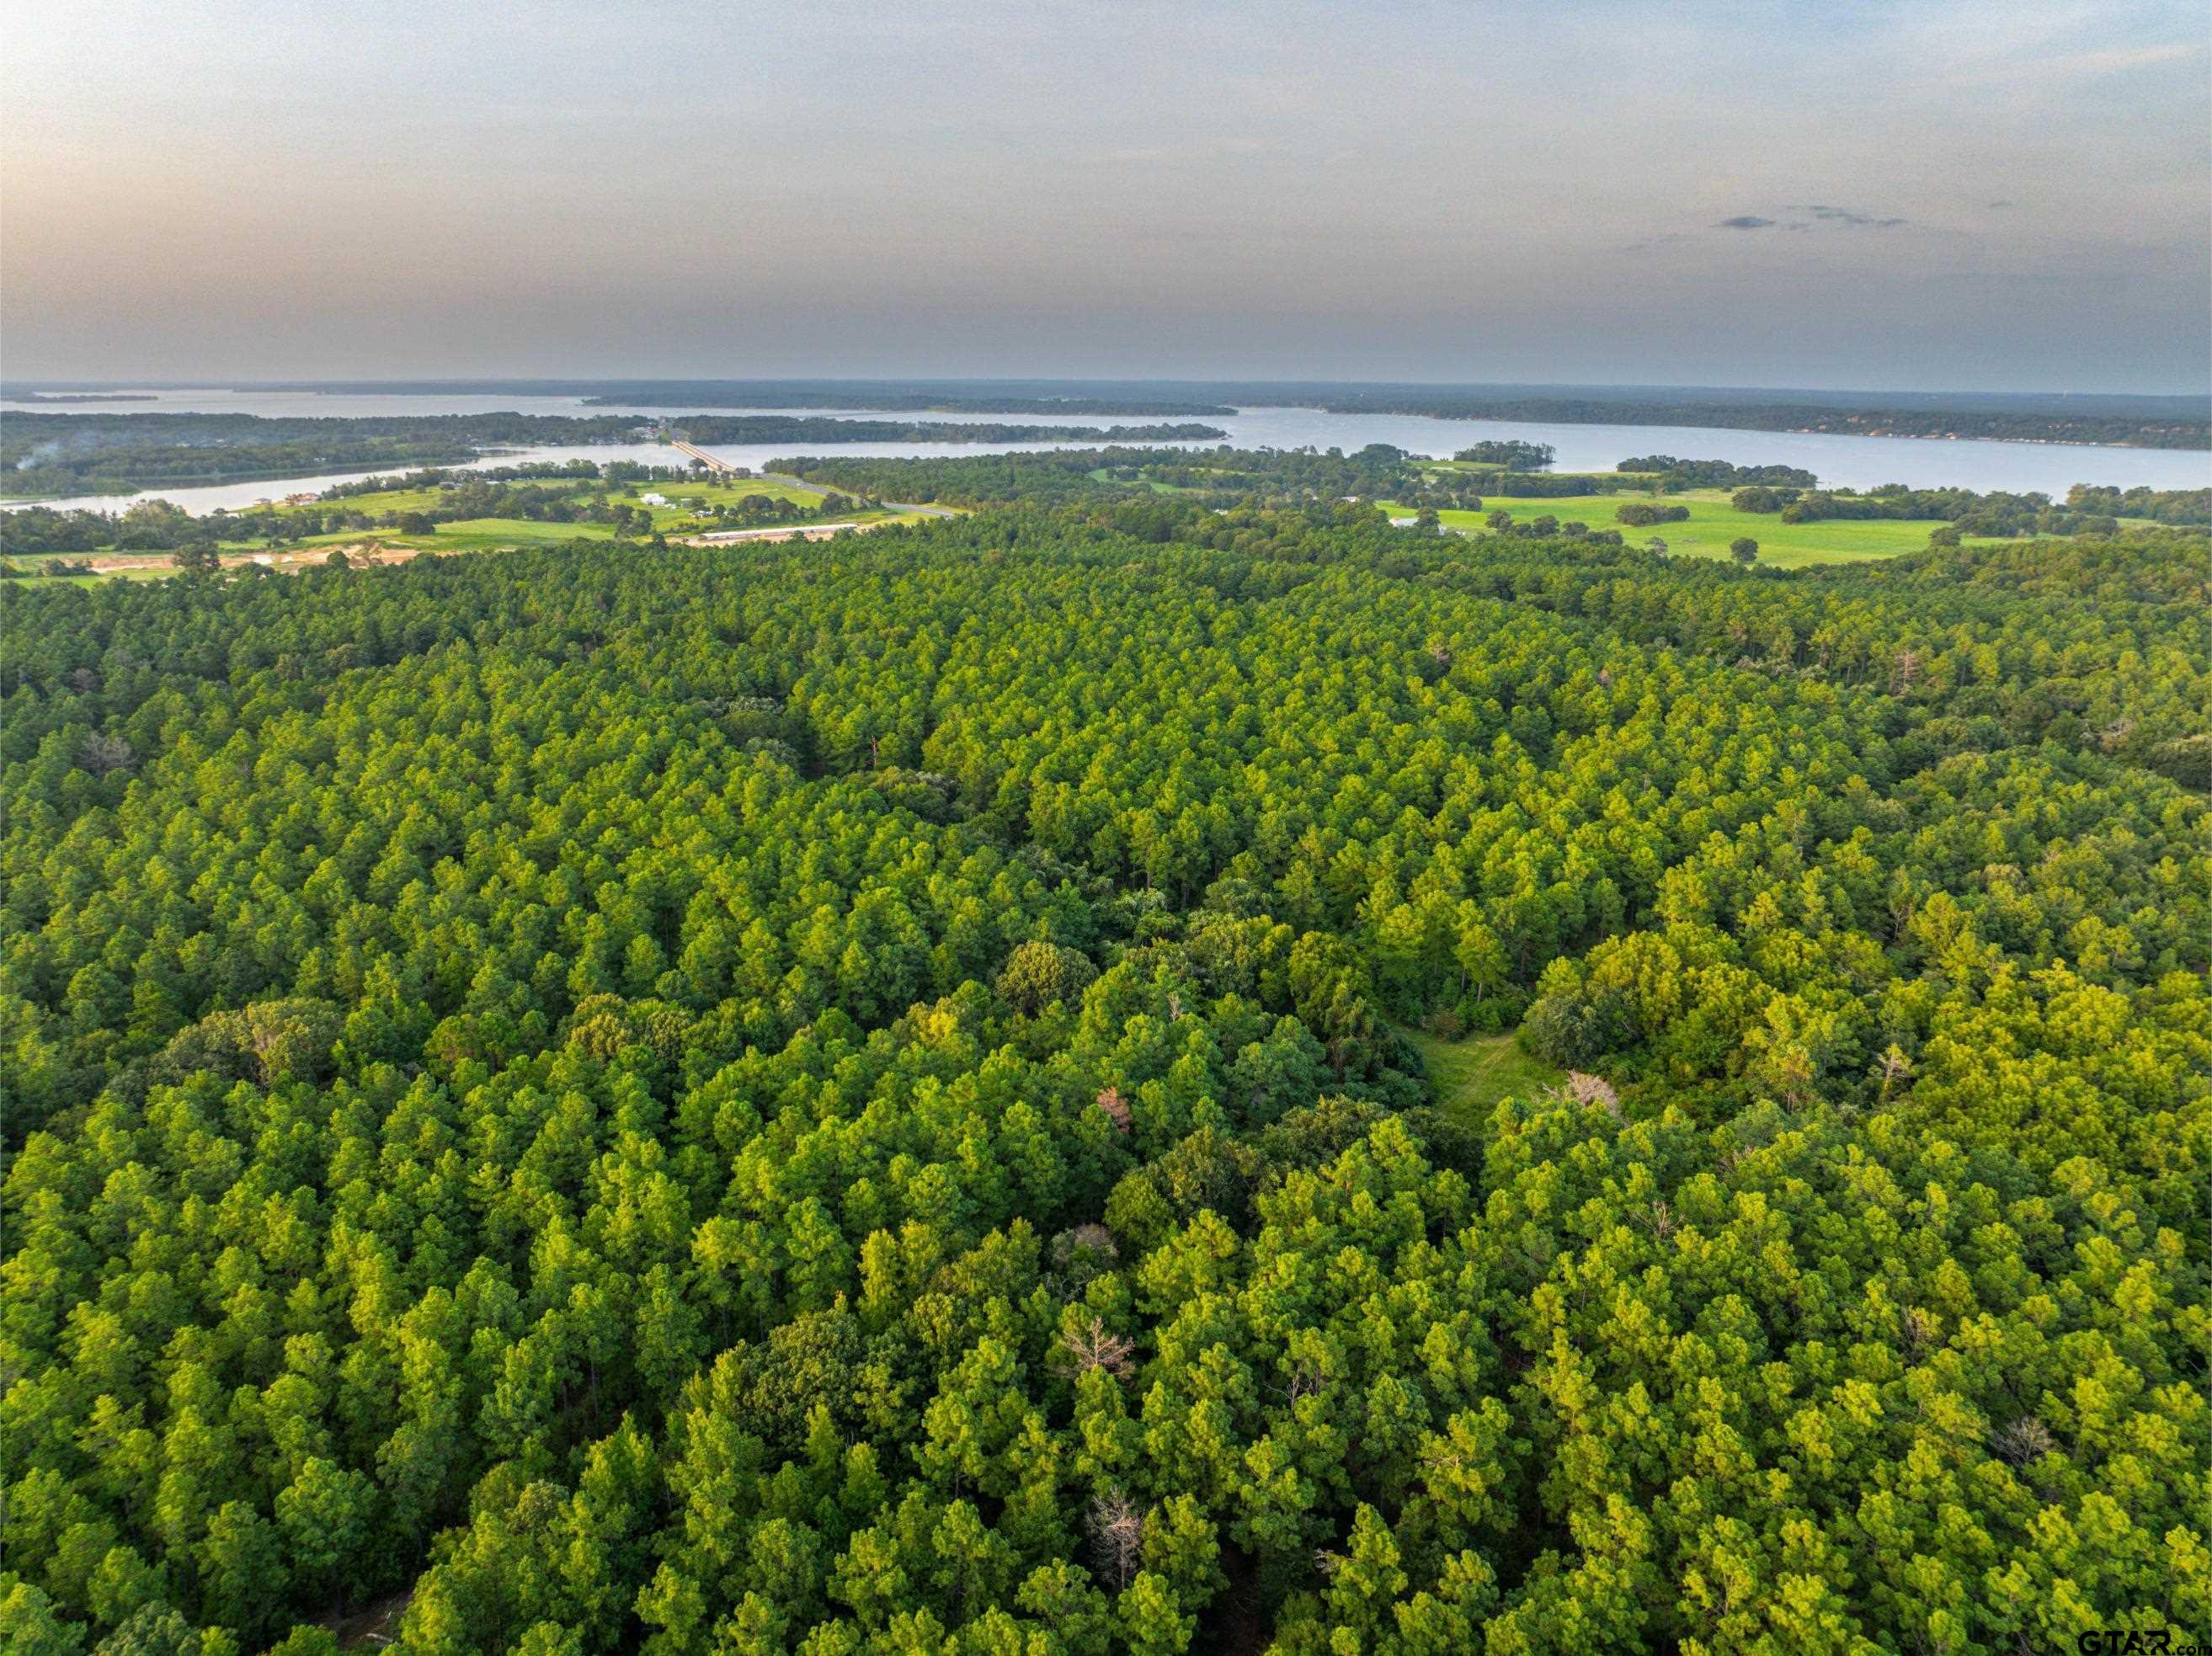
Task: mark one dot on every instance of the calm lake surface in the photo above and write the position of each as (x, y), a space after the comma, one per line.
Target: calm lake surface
(1838, 462)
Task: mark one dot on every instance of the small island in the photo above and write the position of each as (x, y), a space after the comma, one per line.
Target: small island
(51, 398)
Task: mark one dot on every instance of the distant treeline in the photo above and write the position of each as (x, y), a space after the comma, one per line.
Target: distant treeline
(77, 396)
(805, 429)
(2165, 506)
(2086, 511)
(1674, 472)
(1453, 488)
(1376, 393)
(92, 453)
(1513, 455)
(163, 526)
(1225, 476)
(1649, 473)
(970, 480)
(722, 394)
(628, 471)
(2139, 421)
(1214, 477)
(2146, 422)
(40, 531)
(89, 454)
(2127, 431)
(1158, 399)
(469, 497)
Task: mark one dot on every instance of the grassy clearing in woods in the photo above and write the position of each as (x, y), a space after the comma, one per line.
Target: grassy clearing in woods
(1470, 1076)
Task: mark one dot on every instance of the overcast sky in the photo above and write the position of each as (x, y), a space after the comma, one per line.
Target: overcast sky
(1935, 196)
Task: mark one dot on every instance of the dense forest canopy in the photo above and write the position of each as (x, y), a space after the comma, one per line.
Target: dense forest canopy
(860, 1098)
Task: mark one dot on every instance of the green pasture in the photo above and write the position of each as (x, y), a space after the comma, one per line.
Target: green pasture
(384, 499)
(487, 534)
(479, 534)
(83, 580)
(422, 500)
(1712, 524)
(467, 536)
(721, 493)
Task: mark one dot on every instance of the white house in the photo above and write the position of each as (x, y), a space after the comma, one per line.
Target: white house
(654, 500)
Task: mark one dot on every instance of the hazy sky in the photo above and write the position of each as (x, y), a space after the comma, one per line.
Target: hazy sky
(1936, 195)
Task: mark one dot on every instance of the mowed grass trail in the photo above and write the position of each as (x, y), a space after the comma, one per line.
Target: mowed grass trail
(1470, 1076)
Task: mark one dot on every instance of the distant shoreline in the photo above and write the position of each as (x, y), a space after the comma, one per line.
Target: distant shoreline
(2169, 421)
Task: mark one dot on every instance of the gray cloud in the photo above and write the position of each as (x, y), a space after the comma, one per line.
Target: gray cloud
(1844, 216)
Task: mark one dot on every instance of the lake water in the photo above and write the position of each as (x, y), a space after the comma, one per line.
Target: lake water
(1838, 462)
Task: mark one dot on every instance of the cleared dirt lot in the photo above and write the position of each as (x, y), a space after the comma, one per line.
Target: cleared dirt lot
(126, 563)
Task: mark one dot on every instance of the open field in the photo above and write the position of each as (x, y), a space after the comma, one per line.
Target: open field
(1486, 466)
(391, 545)
(1713, 522)
(478, 534)
(475, 535)
(1470, 1076)
(485, 534)
(727, 493)
(1098, 475)
(679, 519)
(151, 573)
